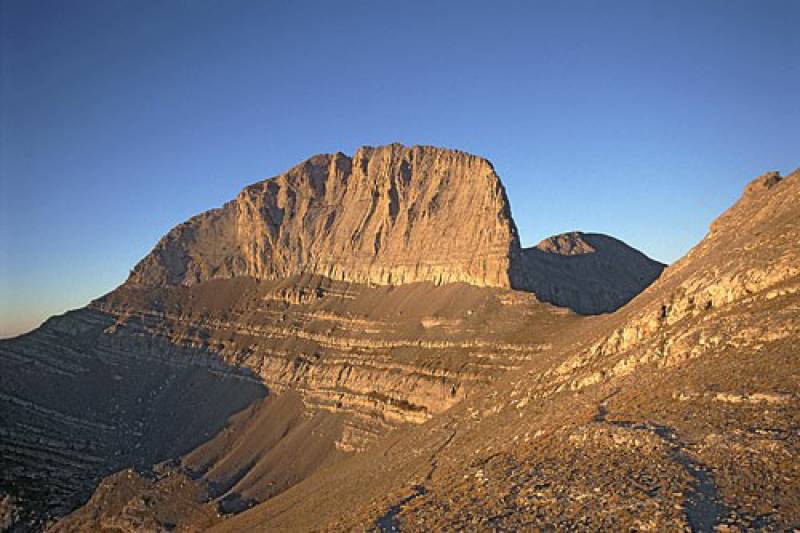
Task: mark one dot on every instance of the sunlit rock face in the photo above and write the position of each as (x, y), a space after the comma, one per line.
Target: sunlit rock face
(394, 215)
(389, 215)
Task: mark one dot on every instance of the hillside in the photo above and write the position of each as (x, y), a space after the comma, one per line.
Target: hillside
(679, 411)
(589, 273)
(236, 390)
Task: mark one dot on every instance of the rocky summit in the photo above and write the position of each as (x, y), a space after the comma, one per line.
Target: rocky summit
(385, 216)
(587, 272)
(361, 343)
(392, 215)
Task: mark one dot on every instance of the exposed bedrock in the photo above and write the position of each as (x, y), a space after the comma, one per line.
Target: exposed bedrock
(393, 215)
(363, 293)
(388, 215)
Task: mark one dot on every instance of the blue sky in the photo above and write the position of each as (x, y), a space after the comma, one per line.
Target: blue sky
(120, 119)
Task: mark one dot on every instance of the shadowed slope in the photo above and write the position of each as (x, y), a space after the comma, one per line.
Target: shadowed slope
(79, 403)
(588, 272)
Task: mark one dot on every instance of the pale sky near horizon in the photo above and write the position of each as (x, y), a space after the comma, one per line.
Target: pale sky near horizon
(119, 119)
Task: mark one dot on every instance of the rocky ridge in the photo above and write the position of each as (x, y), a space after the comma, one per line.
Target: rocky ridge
(384, 216)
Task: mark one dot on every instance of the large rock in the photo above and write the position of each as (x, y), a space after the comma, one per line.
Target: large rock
(393, 215)
(389, 215)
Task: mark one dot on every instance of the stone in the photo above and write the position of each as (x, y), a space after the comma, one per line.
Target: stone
(393, 215)
(389, 215)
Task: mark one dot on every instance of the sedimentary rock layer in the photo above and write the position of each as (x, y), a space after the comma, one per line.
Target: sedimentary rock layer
(144, 375)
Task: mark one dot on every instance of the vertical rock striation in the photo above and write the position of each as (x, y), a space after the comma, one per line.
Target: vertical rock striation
(393, 215)
(389, 215)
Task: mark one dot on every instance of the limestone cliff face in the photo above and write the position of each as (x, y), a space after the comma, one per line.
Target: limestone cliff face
(388, 215)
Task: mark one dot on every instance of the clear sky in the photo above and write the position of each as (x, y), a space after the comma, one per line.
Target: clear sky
(120, 119)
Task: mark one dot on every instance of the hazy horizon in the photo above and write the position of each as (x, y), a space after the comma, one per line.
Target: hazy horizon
(120, 120)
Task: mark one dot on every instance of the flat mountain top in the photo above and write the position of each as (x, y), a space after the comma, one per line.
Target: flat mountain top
(392, 215)
(389, 215)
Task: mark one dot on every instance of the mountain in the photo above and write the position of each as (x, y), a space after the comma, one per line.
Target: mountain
(680, 411)
(587, 272)
(385, 216)
(349, 334)
(392, 215)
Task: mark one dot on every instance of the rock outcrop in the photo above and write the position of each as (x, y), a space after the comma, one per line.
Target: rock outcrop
(750, 248)
(389, 215)
(393, 215)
